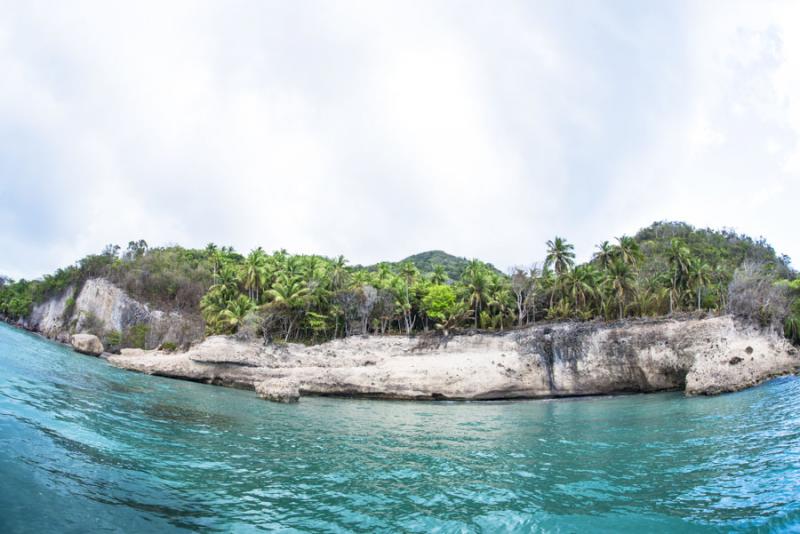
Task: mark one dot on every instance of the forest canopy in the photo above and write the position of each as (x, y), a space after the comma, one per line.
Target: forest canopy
(666, 268)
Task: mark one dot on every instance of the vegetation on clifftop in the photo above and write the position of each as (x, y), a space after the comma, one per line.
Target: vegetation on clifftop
(666, 268)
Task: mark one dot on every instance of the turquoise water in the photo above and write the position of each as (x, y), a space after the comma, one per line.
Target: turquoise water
(86, 447)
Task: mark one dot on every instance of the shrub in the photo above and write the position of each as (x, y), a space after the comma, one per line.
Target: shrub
(113, 340)
(136, 336)
(92, 324)
(169, 346)
(755, 294)
(69, 309)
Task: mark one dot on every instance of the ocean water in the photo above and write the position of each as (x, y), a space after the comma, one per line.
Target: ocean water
(85, 447)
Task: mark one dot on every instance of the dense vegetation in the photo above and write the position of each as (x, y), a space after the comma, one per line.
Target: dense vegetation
(426, 262)
(663, 269)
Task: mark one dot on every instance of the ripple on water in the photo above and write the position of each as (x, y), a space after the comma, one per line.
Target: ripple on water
(91, 447)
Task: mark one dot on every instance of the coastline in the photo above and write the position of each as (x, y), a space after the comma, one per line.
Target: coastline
(546, 361)
(698, 356)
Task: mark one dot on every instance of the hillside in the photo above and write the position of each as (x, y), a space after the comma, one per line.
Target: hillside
(724, 248)
(426, 261)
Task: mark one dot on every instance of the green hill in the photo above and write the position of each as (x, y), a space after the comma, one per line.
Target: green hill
(425, 262)
(723, 249)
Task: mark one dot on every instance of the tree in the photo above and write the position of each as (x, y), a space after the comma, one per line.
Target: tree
(699, 277)
(475, 279)
(439, 275)
(619, 279)
(439, 302)
(560, 255)
(604, 254)
(756, 295)
(521, 285)
(628, 250)
(679, 257)
(288, 293)
(235, 312)
(498, 298)
(255, 273)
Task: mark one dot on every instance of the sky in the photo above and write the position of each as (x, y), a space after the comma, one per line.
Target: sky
(381, 129)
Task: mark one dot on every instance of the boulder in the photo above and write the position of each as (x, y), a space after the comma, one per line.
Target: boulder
(278, 391)
(87, 344)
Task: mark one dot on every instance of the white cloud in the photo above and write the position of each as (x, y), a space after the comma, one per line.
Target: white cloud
(381, 129)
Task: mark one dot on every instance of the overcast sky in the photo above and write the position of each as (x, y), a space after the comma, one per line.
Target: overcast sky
(381, 129)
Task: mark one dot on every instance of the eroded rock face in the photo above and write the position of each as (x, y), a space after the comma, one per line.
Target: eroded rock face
(101, 307)
(558, 360)
(87, 344)
(49, 317)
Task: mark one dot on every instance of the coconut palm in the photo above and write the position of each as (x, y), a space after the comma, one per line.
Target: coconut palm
(560, 255)
(604, 254)
(700, 276)
(628, 250)
(499, 297)
(439, 275)
(678, 256)
(289, 293)
(255, 273)
(235, 312)
(339, 273)
(619, 280)
(475, 279)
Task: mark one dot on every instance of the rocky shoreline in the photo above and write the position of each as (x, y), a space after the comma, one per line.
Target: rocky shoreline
(699, 356)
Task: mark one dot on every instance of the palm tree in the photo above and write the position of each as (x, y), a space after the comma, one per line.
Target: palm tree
(235, 312)
(560, 255)
(699, 277)
(583, 286)
(289, 292)
(619, 278)
(679, 257)
(339, 273)
(384, 274)
(217, 259)
(255, 273)
(439, 275)
(211, 305)
(475, 280)
(629, 251)
(499, 297)
(604, 254)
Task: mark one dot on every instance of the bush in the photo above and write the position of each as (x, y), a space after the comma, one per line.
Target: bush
(92, 324)
(169, 346)
(136, 336)
(113, 340)
(755, 294)
(69, 309)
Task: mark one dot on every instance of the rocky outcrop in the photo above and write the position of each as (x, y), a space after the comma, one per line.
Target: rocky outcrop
(699, 356)
(279, 390)
(102, 308)
(87, 344)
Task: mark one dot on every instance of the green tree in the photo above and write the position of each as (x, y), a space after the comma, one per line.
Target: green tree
(255, 273)
(679, 258)
(560, 255)
(475, 280)
(620, 279)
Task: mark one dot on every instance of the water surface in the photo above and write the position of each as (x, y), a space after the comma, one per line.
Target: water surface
(87, 447)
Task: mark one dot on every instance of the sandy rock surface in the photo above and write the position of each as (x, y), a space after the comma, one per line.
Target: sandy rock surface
(700, 356)
(87, 344)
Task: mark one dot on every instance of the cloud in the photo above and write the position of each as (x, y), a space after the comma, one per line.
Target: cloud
(380, 129)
